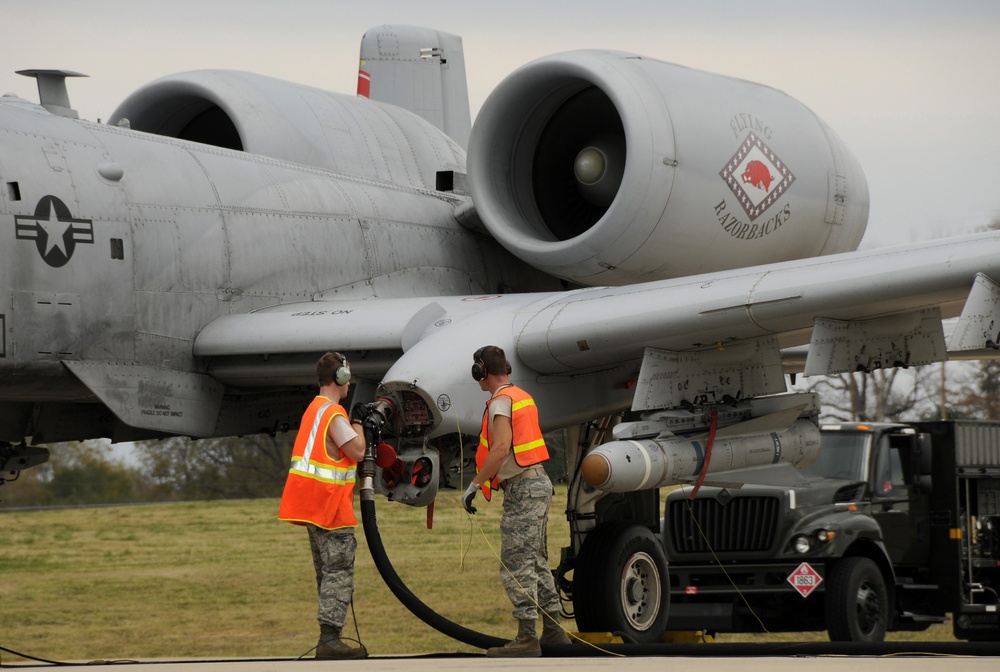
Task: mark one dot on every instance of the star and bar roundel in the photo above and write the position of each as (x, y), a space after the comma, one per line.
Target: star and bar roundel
(55, 231)
(756, 176)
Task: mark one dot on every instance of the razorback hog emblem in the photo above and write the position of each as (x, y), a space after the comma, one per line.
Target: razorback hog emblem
(757, 175)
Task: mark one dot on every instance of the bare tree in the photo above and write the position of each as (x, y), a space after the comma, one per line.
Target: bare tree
(244, 467)
(884, 395)
(980, 397)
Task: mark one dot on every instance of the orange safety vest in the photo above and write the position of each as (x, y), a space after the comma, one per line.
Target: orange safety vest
(529, 445)
(319, 489)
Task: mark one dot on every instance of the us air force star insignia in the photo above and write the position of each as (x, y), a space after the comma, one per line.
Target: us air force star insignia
(54, 231)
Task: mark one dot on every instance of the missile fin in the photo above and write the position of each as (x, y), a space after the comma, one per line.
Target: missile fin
(782, 475)
(773, 422)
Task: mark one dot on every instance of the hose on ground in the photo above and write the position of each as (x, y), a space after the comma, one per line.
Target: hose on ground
(406, 596)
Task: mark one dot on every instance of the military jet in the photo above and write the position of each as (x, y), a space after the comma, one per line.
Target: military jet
(644, 240)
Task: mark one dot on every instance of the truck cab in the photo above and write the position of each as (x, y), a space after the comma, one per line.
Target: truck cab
(893, 461)
(881, 532)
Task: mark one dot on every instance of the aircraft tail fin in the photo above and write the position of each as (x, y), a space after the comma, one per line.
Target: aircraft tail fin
(421, 70)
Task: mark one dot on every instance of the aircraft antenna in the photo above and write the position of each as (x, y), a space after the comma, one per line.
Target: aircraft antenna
(52, 93)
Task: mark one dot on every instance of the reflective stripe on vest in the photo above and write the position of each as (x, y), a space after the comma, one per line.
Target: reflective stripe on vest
(336, 475)
(304, 466)
(529, 445)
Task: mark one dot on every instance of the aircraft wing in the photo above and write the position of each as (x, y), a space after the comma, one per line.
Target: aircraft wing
(613, 347)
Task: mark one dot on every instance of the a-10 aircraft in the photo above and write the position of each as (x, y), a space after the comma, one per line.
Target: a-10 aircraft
(644, 240)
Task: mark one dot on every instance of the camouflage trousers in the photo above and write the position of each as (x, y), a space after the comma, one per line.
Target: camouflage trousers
(524, 553)
(333, 558)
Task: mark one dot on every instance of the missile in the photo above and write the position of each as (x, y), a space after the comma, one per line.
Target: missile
(643, 464)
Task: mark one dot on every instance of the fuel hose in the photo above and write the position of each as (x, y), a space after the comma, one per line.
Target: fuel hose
(404, 594)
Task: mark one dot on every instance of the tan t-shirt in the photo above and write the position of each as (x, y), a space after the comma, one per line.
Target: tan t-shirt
(343, 432)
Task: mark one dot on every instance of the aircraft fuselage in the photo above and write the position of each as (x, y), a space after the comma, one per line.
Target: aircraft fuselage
(121, 246)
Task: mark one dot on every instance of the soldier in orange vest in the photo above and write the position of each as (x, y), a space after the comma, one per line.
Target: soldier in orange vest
(319, 494)
(510, 455)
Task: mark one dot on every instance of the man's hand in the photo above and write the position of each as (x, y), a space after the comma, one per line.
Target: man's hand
(468, 496)
(360, 413)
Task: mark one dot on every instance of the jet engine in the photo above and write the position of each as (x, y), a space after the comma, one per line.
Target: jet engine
(608, 168)
(283, 120)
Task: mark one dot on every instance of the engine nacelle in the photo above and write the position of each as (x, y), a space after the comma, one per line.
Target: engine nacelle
(607, 168)
(291, 122)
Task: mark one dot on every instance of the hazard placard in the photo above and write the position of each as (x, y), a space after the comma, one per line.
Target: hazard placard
(805, 579)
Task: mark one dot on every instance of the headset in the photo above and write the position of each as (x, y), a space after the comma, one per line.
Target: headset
(342, 375)
(479, 367)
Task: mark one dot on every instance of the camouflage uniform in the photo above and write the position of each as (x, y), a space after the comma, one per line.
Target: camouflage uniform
(524, 553)
(333, 558)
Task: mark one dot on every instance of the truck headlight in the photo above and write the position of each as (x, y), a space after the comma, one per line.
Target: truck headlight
(801, 544)
(813, 541)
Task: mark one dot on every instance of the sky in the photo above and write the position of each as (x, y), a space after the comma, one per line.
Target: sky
(912, 86)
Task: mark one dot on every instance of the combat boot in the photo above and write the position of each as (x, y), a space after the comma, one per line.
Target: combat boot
(525, 645)
(553, 634)
(332, 646)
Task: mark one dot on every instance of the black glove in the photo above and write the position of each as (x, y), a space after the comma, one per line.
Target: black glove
(468, 496)
(360, 413)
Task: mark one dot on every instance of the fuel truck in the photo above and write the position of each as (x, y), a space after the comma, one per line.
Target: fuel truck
(859, 529)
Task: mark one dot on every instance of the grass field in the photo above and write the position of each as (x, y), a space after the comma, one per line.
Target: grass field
(227, 579)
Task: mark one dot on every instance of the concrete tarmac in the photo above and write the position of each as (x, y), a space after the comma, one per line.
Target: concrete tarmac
(786, 657)
(568, 664)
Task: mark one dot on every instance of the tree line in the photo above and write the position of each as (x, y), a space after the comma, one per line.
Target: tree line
(173, 469)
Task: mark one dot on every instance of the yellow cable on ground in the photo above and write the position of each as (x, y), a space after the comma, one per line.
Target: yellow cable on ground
(573, 635)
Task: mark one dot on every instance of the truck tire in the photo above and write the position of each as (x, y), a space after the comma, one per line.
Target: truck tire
(620, 583)
(857, 603)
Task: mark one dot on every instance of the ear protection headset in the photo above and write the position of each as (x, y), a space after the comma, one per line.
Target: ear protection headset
(342, 375)
(479, 367)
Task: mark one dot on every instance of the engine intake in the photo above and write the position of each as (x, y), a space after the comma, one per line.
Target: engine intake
(606, 168)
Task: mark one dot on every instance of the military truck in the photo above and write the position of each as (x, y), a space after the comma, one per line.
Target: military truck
(893, 527)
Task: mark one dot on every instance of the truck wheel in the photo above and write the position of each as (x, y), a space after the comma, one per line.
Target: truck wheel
(857, 603)
(620, 583)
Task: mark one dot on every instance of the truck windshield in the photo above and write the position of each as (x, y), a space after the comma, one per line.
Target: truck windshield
(842, 455)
